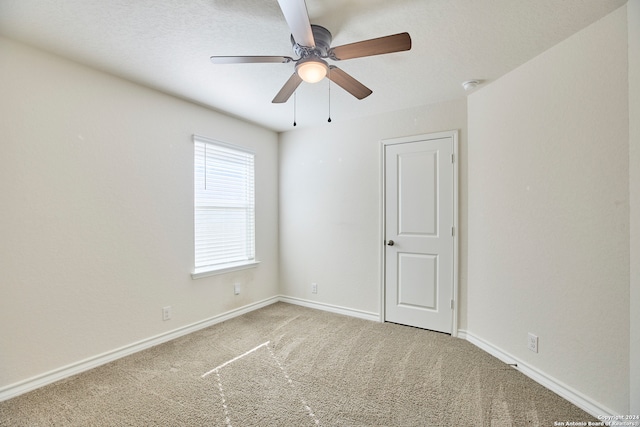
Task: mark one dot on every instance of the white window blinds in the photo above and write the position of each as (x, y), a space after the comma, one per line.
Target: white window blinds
(224, 205)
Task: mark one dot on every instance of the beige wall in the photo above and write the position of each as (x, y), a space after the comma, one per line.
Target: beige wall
(330, 204)
(549, 213)
(96, 225)
(96, 181)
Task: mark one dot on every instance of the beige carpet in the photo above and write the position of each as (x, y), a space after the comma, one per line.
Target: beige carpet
(286, 365)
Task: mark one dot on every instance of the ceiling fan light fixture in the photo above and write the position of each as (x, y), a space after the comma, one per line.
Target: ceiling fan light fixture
(312, 70)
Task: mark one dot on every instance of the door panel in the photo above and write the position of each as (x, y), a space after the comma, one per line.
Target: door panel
(418, 209)
(417, 267)
(419, 217)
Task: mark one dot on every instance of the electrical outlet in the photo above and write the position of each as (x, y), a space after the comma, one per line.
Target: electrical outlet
(532, 342)
(236, 289)
(166, 312)
(314, 288)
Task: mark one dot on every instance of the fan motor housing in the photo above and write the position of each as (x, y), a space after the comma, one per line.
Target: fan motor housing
(323, 39)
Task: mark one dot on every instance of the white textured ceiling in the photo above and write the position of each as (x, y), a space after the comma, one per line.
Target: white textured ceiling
(166, 44)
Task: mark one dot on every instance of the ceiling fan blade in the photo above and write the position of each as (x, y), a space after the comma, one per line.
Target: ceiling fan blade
(348, 83)
(297, 17)
(287, 90)
(379, 46)
(249, 59)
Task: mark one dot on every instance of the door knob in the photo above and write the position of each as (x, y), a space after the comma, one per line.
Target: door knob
(390, 243)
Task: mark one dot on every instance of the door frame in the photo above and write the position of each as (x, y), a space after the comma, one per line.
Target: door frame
(382, 253)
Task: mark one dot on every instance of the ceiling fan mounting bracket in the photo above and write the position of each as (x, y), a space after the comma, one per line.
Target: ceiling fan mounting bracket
(322, 38)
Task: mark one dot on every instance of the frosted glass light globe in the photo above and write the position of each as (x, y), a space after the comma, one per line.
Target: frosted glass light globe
(312, 71)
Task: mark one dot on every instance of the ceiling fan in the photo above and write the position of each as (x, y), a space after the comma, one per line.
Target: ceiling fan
(312, 43)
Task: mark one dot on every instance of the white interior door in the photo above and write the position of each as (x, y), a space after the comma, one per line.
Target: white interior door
(420, 242)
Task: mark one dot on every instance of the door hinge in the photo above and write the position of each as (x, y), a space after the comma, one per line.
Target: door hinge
(451, 304)
(453, 158)
(453, 231)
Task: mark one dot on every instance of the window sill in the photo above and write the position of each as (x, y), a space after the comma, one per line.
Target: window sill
(212, 271)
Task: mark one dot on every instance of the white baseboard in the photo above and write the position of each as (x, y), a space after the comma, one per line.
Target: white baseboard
(563, 390)
(558, 387)
(332, 308)
(42, 380)
(38, 381)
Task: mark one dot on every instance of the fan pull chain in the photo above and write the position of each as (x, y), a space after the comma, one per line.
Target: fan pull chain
(294, 108)
(329, 96)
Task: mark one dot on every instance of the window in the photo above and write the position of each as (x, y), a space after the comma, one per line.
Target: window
(224, 207)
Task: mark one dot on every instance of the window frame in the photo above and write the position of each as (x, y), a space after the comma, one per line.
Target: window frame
(223, 267)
